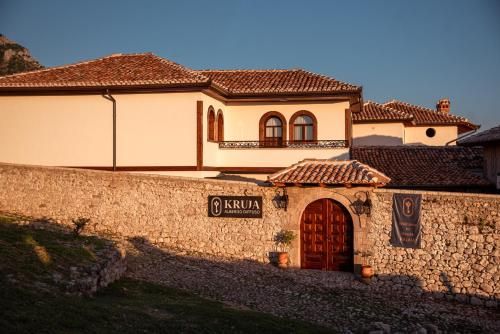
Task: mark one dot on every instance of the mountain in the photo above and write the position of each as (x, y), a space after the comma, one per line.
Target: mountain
(15, 58)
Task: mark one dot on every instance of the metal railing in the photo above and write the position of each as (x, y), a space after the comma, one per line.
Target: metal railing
(283, 144)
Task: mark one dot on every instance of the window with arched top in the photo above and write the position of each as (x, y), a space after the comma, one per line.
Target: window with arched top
(272, 129)
(303, 127)
(220, 126)
(211, 123)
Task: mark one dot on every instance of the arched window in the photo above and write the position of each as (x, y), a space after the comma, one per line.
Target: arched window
(211, 123)
(272, 129)
(220, 126)
(303, 126)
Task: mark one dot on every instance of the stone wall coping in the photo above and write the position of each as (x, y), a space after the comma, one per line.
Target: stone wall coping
(437, 193)
(131, 174)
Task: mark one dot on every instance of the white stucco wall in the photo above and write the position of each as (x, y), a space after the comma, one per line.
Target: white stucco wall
(211, 149)
(241, 122)
(77, 130)
(276, 157)
(244, 118)
(156, 129)
(56, 130)
(152, 130)
(378, 134)
(415, 135)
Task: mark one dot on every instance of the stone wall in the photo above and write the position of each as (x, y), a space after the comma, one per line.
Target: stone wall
(459, 258)
(163, 210)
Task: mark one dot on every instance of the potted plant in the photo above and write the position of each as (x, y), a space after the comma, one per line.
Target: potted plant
(283, 240)
(366, 269)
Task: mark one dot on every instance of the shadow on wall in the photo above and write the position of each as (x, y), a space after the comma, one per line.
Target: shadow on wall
(376, 140)
(342, 156)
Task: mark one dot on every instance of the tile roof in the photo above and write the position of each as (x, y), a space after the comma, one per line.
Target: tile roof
(424, 166)
(373, 112)
(426, 116)
(488, 136)
(329, 172)
(143, 70)
(295, 81)
(148, 70)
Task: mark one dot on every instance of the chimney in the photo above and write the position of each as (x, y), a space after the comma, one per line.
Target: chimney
(443, 105)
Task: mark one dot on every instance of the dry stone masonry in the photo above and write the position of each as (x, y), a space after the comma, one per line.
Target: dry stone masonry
(459, 258)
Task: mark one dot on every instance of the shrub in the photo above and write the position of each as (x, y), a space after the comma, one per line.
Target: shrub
(80, 225)
(283, 239)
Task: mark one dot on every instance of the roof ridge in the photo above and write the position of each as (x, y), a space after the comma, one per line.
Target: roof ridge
(77, 63)
(250, 70)
(446, 114)
(332, 78)
(179, 66)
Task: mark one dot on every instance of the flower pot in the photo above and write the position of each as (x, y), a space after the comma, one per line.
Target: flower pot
(283, 259)
(367, 271)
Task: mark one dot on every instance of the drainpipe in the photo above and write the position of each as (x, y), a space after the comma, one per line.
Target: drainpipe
(108, 96)
(467, 134)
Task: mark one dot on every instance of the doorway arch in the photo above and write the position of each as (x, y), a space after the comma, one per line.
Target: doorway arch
(327, 236)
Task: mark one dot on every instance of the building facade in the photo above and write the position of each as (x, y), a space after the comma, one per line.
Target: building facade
(399, 123)
(140, 112)
(144, 113)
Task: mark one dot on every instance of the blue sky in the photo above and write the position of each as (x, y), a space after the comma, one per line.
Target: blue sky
(415, 51)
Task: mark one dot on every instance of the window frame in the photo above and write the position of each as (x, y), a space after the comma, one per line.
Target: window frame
(219, 123)
(211, 124)
(262, 129)
(314, 126)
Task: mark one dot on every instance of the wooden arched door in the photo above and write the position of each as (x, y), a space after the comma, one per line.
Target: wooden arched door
(326, 233)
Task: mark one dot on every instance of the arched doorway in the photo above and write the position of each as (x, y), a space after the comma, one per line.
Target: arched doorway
(326, 233)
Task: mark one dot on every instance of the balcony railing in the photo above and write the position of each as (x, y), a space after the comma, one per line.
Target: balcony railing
(284, 144)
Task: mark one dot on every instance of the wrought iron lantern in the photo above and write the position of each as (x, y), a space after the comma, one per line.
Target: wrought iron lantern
(360, 206)
(280, 200)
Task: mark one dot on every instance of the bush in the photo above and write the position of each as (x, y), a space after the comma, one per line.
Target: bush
(283, 239)
(80, 225)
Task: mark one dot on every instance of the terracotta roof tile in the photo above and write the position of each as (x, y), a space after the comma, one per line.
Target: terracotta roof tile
(426, 116)
(373, 111)
(329, 172)
(148, 70)
(424, 166)
(488, 136)
(142, 70)
(295, 81)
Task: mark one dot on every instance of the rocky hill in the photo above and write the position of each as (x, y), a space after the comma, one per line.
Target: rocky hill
(15, 58)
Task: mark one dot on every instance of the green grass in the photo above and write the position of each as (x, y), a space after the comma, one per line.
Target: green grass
(127, 306)
(32, 255)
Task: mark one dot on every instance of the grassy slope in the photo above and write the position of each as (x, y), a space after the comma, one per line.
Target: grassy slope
(126, 306)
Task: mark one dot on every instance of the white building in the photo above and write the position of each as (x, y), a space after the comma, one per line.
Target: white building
(140, 112)
(399, 123)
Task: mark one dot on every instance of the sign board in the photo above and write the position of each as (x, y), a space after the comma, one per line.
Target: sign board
(235, 206)
(406, 227)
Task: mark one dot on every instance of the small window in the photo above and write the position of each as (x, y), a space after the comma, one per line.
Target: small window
(220, 126)
(303, 128)
(272, 129)
(430, 132)
(211, 124)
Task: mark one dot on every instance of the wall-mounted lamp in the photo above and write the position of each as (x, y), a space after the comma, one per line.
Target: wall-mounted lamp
(280, 199)
(360, 206)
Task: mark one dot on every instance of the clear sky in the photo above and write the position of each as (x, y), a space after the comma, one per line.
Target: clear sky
(415, 51)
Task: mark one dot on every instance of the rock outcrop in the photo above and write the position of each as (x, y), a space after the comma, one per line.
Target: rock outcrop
(15, 58)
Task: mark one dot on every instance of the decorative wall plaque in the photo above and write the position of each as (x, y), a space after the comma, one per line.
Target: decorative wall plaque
(235, 206)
